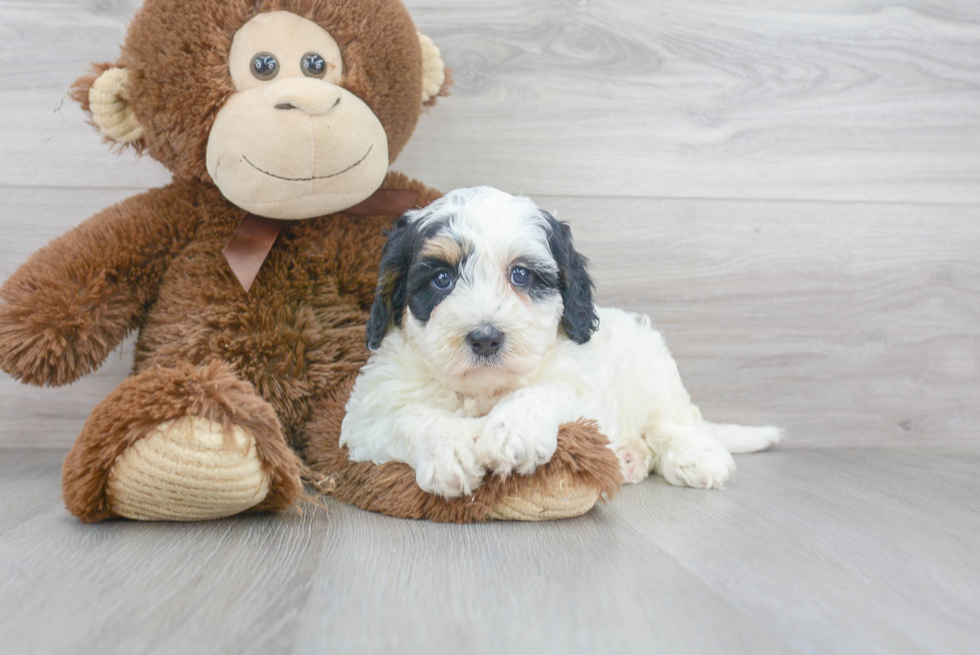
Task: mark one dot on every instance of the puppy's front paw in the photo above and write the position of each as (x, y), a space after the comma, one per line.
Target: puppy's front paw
(701, 466)
(450, 469)
(515, 440)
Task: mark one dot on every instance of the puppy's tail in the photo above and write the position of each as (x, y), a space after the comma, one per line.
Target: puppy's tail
(742, 438)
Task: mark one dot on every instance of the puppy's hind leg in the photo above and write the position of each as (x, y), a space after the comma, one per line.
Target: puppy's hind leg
(645, 385)
(699, 455)
(690, 456)
(635, 460)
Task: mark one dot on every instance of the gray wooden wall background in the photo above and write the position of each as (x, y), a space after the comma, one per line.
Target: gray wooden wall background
(791, 190)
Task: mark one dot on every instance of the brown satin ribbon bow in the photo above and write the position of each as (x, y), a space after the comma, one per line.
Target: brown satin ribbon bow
(253, 240)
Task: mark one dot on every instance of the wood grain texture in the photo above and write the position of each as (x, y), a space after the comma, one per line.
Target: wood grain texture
(834, 100)
(835, 551)
(844, 329)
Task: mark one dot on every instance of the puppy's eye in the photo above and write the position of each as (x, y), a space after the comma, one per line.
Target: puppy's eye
(519, 276)
(265, 66)
(442, 281)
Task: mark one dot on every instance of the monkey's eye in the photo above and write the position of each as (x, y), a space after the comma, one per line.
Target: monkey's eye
(442, 281)
(265, 66)
(519, 276)
(313, 65)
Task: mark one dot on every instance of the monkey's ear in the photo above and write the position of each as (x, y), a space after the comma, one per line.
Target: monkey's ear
(104, 94)
(579, 318)
(436, 78)
(392, 292)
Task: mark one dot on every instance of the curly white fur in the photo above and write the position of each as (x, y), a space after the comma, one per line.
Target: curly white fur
(426, 399)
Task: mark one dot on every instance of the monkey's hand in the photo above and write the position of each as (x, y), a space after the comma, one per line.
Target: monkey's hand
(53, 332)
(72, 302)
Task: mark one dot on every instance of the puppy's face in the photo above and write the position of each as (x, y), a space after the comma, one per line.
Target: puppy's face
(481, 282)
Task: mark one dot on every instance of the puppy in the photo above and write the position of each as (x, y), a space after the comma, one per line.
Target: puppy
(486, 339)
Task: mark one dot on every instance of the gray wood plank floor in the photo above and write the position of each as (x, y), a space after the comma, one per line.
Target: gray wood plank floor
(822, 551)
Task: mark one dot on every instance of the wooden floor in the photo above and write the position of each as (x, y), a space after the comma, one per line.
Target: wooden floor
(790, 190)
(823, 551)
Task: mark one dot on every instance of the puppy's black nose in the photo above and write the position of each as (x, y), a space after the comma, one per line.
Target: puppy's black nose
(485, 341)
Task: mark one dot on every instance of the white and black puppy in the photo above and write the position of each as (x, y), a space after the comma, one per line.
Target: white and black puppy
(486, 339)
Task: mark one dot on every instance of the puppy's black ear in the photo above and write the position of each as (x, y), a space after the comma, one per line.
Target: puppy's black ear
(580, 319)
(392, 291)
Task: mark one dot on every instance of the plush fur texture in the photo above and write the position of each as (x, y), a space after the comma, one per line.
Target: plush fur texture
(296, 336)
(288, 144)
(456, 404)
(191, 43)
(265, 361)
(581, 461)
(156, 395)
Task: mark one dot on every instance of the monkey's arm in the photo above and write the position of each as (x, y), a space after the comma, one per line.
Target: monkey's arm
(72, 302)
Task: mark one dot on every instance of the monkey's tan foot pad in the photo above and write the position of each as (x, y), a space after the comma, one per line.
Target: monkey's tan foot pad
(188, 469)
(558, 499)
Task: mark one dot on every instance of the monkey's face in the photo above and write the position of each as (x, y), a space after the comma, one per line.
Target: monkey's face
(293, 108)
(291, 142)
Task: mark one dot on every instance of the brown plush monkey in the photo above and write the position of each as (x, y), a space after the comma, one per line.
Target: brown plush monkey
(249, 277)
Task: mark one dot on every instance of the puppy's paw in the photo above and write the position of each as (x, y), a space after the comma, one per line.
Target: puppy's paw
(634, 461)
(517, 439)
(699, 466)
(449, 469)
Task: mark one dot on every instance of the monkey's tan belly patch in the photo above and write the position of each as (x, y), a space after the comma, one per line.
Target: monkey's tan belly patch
(185, 471)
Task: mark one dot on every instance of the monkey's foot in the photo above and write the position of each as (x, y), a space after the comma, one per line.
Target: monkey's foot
(557, 498)
(188, 470)
(180, 444)
(582, 471)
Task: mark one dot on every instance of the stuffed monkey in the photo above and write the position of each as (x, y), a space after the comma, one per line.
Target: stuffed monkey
(250, 277)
